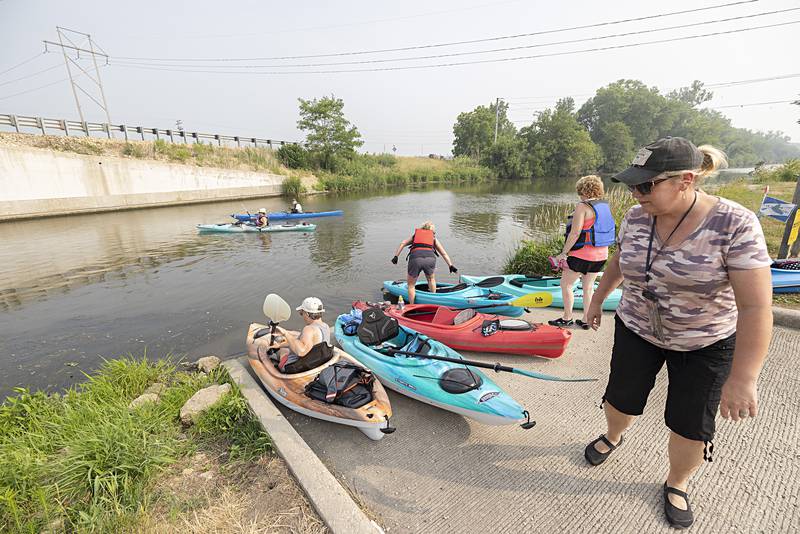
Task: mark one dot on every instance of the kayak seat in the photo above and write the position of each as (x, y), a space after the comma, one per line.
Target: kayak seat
(446, 289)
(376, 327)
(444, 316)
(415, 344)
(463, 316)
(515, 324)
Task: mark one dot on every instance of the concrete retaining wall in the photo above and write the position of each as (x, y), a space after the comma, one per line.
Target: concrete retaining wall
(36, 182)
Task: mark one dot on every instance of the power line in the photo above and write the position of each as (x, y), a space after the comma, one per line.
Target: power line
(754, 80)
(490, 51)
(476, 62)
(752, 104)
(30, 75)
(439, 45)
(32, 58)
(33, 89)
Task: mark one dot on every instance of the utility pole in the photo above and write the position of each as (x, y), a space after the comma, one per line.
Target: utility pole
(496, 117)
(69, 62)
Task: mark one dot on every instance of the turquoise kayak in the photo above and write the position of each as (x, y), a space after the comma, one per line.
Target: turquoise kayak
(458, 296)
(786, 276)
(449, 386)
(519, 285)
(282, 215)
(243, 228)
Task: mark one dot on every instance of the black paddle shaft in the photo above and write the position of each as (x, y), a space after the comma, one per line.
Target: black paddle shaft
(493, 366)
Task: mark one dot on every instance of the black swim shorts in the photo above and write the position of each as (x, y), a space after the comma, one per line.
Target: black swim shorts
(585, 266)
(695, 381)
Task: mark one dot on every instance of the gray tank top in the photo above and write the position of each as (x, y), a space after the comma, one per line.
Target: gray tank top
(325, 331)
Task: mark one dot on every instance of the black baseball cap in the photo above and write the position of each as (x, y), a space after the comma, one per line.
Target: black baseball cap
(666, 154)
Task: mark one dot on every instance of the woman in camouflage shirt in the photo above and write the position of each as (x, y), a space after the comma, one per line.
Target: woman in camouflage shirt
(697, 296)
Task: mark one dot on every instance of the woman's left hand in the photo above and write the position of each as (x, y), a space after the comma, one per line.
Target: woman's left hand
(739, 399)
(561, 257)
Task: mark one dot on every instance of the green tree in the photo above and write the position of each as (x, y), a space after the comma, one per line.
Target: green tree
(693, 95)
(329, 134)
(474, 130)
(619, 145)
(507, 158)
(558, 145)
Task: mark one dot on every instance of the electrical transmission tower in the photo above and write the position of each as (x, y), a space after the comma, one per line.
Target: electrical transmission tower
(68, 47)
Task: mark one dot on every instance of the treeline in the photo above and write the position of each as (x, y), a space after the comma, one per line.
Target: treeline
(605, 132)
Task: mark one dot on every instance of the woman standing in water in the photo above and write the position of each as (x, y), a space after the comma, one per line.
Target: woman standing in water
(697, 296)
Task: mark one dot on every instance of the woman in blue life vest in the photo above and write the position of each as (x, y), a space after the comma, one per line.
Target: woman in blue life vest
(422, 258)
(589, 234)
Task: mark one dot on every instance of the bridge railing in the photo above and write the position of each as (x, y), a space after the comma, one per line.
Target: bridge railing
(46, 126)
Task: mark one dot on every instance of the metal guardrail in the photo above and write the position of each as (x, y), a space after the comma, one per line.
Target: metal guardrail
(85, 128)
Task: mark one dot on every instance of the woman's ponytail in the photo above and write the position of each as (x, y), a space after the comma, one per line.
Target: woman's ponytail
(714, 159)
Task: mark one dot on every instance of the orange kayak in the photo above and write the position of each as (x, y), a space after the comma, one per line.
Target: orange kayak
(289, 389)
(479, 332)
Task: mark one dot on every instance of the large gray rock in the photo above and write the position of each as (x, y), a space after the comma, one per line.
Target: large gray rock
(202, 401)
(208, 363)
(157, 388)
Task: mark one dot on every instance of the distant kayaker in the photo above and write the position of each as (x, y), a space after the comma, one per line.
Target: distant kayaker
(696, 295)
(585, 251)
(296, 207)
(262, 220)
(310, 348)
(424, 248)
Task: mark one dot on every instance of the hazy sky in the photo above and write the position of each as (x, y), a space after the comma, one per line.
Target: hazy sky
(412, 108)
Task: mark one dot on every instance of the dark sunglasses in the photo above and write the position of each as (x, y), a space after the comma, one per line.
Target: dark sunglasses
(647, 187)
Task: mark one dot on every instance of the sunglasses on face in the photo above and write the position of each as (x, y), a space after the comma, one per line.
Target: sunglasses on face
(647, 187)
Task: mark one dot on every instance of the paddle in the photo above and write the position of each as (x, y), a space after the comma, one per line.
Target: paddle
(541, 299)
(277, 310)
(497, 367)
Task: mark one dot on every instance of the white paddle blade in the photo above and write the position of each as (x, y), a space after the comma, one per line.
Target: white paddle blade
(276, 309)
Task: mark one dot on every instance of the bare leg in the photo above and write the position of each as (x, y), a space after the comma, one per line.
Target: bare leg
(618, 423)
(431, 283)
(568, 278)
(587, 280)
(412, 288)
(685, 457)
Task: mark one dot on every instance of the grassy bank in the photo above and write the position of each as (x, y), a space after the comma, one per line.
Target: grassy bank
(83, 461)
(366, 172)
(530, 258)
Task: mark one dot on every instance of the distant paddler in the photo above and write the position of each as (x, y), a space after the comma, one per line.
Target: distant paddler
(296, 207)
(424, 247)
(262, 219)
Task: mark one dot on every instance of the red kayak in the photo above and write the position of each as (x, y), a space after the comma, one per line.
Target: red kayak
(480, 332)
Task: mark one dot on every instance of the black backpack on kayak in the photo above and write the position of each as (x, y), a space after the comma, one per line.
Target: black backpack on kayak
(344, 384)
(376, 327)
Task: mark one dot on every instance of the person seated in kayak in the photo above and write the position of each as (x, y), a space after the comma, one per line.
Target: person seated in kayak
(309, 348)
(262, 220)
(589, 233)
(424, 247)
(296, 207)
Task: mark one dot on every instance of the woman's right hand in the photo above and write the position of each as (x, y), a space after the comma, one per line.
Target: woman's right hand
(594, 315)
(394, 260)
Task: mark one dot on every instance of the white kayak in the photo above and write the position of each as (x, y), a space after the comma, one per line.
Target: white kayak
(241, 228)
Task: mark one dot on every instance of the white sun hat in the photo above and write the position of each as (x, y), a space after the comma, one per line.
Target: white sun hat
(311, 305)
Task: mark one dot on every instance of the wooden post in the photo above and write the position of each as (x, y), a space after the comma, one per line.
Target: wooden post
(85, 126)
(783, 252)
(171, 138)
(238, 141)
(140, 130)
(108, 129)
(14, 122)
(219, 141)
(40, 124)
(124, 131)
(66, 128)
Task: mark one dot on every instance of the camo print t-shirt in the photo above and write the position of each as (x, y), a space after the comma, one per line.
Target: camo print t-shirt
(695, 297)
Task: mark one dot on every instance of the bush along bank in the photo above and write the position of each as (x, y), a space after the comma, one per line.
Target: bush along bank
(87, 459)
(364, 172)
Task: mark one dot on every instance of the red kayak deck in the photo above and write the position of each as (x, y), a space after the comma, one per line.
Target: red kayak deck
(463, 330)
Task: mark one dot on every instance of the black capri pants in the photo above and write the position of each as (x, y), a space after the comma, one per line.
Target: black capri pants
(695, 381)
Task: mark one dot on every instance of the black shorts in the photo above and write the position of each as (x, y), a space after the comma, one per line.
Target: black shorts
(695, 381)
(584, 266)
(426, 264)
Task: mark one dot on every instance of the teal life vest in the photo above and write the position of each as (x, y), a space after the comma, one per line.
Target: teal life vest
(603, 232)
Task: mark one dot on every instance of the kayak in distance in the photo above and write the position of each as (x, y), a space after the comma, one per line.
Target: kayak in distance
(283, 215)
(243, 228)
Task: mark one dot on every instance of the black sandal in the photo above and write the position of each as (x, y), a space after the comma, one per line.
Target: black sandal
(595, 457)
(676, 517)
(561, 322)
(583, 325)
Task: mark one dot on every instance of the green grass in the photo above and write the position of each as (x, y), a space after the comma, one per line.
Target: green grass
(292, 187)
(85, 459)
(788, 172)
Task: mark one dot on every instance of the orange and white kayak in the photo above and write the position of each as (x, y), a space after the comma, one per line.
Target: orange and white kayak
(289, 389)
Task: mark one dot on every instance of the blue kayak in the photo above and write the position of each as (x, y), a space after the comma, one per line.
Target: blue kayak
(281, 215)
(450, 386)
(786, 276)
(458, 296)
(519, 285)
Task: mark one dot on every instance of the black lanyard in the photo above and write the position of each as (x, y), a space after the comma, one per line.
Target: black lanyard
(649, 264)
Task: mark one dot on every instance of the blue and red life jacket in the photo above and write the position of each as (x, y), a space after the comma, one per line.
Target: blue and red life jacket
(602, 233)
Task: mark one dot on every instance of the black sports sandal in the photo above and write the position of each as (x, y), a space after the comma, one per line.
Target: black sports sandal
(675, 516)
(595, 457)
(583, 325)
(563, 323)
